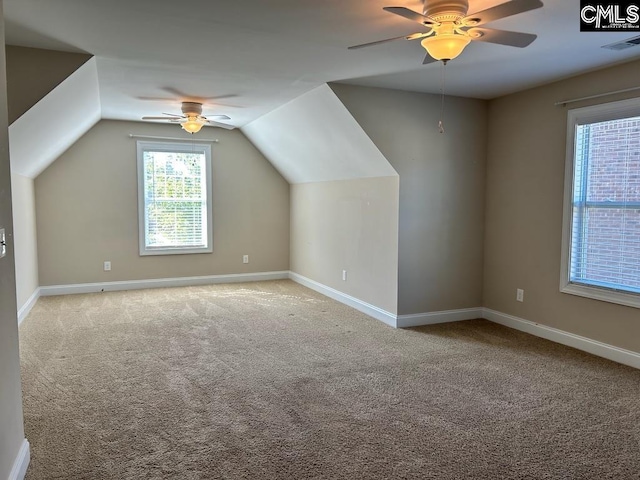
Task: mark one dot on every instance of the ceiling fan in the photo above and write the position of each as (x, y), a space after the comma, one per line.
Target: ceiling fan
(192, 119)
(451, 28)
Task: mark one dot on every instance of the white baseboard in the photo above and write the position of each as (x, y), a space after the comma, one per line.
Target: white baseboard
(21, 462)
(432, 318)
(391, 319)
(620, 355)
(160, 282)
(364, 307)
(26, 308)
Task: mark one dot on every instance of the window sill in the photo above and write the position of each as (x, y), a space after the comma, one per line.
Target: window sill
(175, 251)
(627, 299)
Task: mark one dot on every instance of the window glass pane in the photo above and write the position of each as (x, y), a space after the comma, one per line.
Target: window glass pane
(605, 249)
(614, 160)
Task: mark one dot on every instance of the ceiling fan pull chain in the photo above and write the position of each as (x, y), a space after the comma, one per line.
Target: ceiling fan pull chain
(443, 79)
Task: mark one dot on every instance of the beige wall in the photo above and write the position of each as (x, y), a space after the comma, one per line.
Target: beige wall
(86, 205)
(442, 179)
(525, 181)
(24, 226)
(348, 225)
(11, 427)
(34, 72)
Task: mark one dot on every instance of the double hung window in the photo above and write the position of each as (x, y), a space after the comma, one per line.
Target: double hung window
(174, 198)
(601, 236)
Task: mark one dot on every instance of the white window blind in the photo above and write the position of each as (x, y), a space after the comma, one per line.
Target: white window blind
(174, 198)
(604, 238)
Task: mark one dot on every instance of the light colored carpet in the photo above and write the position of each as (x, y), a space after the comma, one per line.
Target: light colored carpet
(273, 381)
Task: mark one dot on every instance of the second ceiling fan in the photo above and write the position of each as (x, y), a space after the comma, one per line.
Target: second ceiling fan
(451, 28)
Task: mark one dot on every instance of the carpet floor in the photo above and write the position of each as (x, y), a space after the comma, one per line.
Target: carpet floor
(271, 380)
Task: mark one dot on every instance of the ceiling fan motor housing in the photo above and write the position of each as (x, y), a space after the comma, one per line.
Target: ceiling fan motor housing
(192, 108)
(446, 10)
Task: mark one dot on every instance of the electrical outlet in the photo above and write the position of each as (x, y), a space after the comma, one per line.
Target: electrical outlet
(245, 259)
(520, 295)
(107, 266)
(344, 275)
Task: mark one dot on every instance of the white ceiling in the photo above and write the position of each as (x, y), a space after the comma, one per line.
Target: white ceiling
(258, 55)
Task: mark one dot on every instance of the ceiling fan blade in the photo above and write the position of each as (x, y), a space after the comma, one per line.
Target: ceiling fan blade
(200, 99)
(182, 95)
(503, 10)
(174, 91)
(502, 37)
(221, 125)
(173, 115)
(156, 99)
(416, 36)
(413, 36)
(217, 105)
(410, 14)
(428, 59)
(217, 97)
(218, 116)
(157, 118)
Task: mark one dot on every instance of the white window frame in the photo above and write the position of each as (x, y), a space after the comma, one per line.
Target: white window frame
(575, 117)
(143, 146)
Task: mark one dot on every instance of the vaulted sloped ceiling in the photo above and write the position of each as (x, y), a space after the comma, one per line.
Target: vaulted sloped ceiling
(55, 122)
(314, 138)
(33, 72)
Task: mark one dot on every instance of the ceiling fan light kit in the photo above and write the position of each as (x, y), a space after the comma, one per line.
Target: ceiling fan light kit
(193, 124)
(445, 46)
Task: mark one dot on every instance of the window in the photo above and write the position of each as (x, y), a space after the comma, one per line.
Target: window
(601, 235)
(174, 198)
